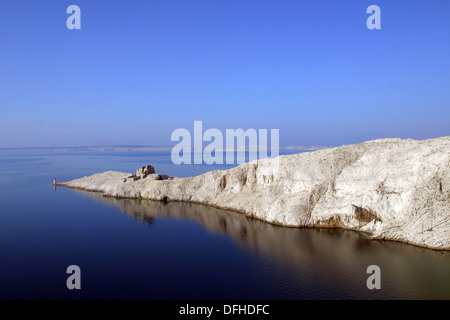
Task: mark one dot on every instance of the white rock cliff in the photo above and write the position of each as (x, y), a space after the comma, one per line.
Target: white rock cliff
(392, 189)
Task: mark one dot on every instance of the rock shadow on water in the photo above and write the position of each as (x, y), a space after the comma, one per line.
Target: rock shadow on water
(254, 233)
(335, 256)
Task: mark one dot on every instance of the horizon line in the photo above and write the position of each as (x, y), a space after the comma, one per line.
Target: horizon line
(142, 148)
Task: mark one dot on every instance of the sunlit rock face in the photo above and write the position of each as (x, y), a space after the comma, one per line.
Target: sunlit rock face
(390, 188)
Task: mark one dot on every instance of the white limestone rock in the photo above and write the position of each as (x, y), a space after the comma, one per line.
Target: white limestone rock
(392, 189)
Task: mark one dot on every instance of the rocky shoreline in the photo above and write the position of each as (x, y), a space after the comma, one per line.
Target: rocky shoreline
(391, 189)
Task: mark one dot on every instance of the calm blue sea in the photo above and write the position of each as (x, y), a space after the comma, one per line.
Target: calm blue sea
(130, 249)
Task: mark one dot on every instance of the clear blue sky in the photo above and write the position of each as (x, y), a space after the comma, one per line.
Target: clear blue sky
(139, 69)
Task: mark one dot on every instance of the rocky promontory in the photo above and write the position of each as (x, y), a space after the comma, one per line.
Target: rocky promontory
(391, 189)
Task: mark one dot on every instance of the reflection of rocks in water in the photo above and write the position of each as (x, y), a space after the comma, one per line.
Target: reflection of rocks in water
(363, 241)
(259, 235)
(292, 243)
(341, 255)
(144, 218)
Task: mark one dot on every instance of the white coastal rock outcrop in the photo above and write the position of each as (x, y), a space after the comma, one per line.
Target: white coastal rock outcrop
(392, 189)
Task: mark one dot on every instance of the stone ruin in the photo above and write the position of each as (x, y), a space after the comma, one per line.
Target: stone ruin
(147, 171)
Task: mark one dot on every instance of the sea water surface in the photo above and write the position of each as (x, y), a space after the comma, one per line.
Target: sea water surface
(131, 249)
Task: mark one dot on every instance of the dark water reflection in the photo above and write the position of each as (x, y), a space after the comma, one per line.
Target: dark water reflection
(131, 249)
(321, 263)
